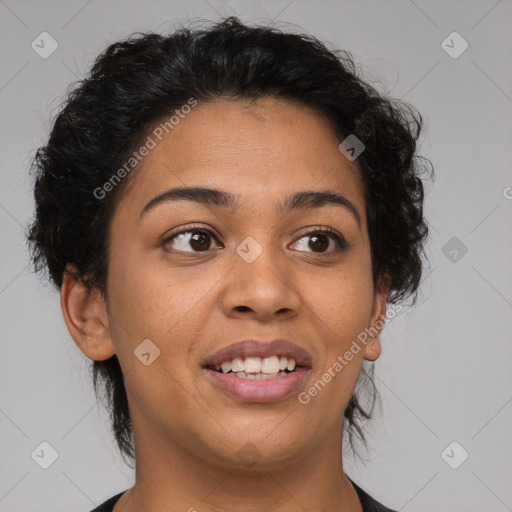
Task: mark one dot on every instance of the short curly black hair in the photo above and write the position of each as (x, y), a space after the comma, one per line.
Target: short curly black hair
(138, 81)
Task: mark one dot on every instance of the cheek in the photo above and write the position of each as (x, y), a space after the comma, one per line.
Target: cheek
(341, 300)
(341, 311)
(160, 303)
(163, 306)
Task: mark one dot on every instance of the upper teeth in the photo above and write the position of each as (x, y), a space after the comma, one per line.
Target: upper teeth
(272, 364)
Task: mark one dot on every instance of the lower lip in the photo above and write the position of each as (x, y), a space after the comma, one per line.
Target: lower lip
(262, 390)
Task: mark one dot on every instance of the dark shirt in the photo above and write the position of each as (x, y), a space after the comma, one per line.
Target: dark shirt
(367, 502)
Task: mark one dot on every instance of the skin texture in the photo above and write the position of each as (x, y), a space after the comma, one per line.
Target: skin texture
(187, 432)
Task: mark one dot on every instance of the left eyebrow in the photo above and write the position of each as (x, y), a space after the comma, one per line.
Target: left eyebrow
(226, 200)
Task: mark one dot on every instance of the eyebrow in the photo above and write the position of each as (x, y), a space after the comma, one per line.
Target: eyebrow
(226, 200)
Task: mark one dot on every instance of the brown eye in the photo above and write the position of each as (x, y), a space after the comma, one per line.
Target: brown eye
(200, 240)
(319, 241)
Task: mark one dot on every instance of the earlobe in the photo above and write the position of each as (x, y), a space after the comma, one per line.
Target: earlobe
(377, 322)
(373, 349)
(86, 317)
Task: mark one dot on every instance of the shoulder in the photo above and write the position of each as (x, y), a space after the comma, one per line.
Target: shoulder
(368, 503)
(107, 506)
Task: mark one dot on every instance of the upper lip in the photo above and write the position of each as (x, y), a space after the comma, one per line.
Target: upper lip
(254, 348)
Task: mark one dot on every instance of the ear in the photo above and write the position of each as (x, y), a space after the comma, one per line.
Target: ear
(377, 320)
(85, 314)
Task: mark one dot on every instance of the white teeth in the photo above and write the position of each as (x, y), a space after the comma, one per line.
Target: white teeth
(259, 376)
(252, 364)
(271, 365)
(291, 365)
(237, 365)
(226, 366)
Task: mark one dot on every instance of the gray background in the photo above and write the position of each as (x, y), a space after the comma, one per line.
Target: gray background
(444, 374)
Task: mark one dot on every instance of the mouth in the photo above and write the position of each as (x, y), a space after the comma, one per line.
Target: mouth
(253, 371)
(257, 368)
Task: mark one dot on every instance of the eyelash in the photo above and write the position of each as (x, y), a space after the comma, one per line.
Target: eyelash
(334, 235)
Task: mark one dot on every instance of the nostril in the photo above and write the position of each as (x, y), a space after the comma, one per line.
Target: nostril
(242, 308)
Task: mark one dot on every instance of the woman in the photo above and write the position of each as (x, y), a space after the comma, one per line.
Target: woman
(227, 213)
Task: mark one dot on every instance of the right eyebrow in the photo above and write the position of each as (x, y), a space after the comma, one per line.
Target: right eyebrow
(223, 199)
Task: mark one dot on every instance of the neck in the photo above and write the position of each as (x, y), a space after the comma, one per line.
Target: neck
(166, 473)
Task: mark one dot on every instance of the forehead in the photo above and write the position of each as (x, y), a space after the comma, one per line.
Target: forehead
(258, 150)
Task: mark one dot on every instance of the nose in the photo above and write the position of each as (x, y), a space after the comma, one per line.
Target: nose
(264, 289)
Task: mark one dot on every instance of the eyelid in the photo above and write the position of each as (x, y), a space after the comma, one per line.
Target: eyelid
(330, 232)
(185, 229)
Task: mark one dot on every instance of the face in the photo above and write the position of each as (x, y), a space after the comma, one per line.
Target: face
(194, 293)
